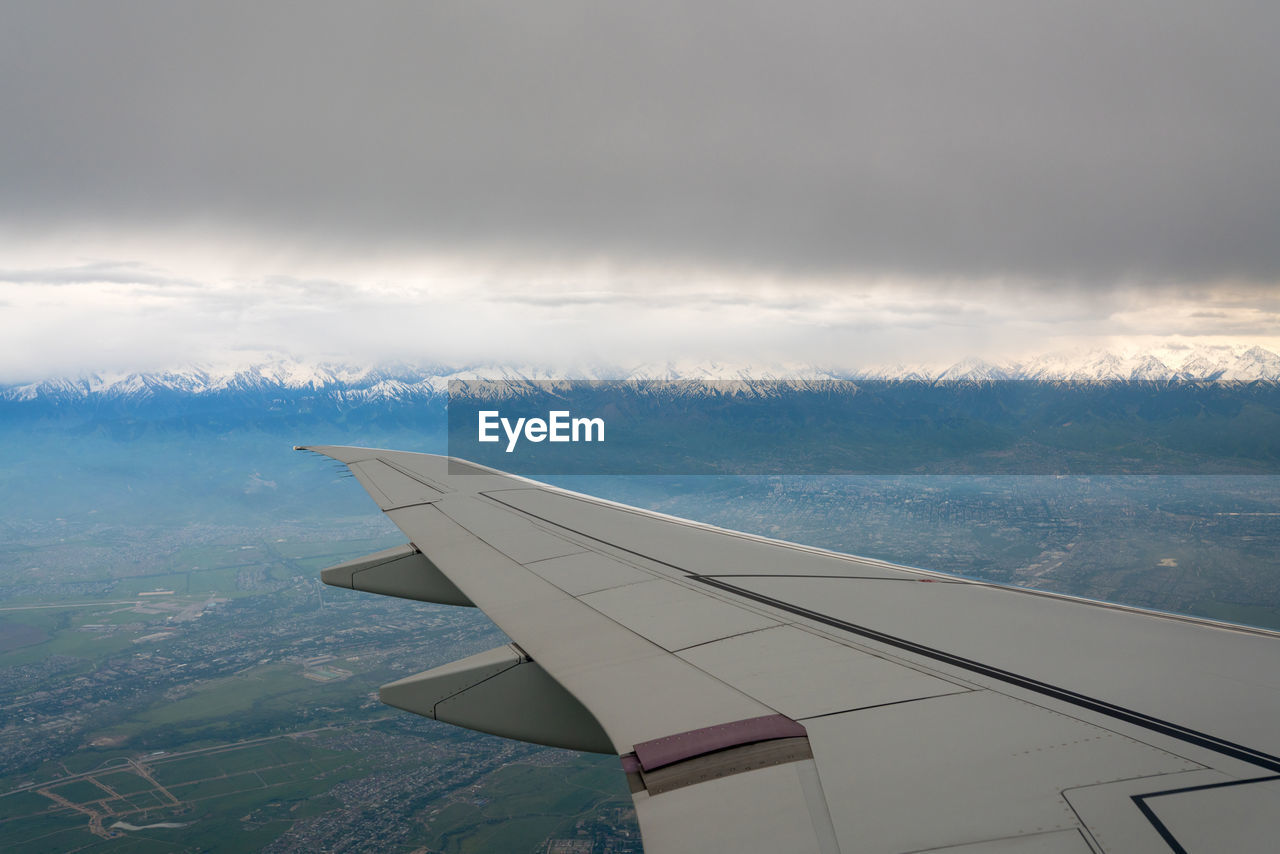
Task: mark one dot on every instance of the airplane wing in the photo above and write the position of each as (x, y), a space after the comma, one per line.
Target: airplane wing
(765, 696)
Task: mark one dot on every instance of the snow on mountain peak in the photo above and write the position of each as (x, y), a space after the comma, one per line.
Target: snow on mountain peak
(268, 372)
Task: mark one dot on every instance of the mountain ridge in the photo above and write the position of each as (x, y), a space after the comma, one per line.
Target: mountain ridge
(402, 381)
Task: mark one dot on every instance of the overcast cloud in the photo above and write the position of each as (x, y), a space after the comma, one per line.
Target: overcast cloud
(795, 164)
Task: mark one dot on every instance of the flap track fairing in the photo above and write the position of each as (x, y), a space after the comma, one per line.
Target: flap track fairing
(501, 692)
(402, 571)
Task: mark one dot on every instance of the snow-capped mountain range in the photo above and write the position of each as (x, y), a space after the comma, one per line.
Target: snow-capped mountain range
(1220, 365)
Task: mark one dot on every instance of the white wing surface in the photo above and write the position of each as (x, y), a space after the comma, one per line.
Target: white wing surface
(765, 696)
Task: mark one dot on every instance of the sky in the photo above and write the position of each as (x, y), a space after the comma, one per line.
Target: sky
(576, 182)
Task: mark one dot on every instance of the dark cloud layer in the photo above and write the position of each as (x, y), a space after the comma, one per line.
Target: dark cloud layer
(1093, 141)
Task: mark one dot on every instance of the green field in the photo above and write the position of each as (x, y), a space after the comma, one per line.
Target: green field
(63, 635)
(78, 791)
(55, 833)
(524, 802)
(223, 704)
(1249, 615)
(20, 804)
(124, 782)
(239, 798)
(215, 791)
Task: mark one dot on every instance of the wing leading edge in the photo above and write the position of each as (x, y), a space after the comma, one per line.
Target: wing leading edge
(765, 696)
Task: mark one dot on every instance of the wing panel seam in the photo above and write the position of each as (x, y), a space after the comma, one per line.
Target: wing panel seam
(1167, 728)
